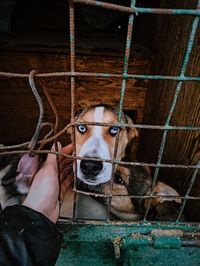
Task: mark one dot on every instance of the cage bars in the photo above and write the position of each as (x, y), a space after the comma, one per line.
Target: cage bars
(122, 93)
(35, 137)
(73, 94)
(181, 166)
(131, 11)
(62, 131)
(99, 75)
(193, 178)
(174, 101)
(138, 10)
(136, 196)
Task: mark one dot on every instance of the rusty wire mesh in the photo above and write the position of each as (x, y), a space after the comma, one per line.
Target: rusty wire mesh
(54, 134)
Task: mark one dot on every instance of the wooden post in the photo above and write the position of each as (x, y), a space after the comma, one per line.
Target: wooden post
(182, 147)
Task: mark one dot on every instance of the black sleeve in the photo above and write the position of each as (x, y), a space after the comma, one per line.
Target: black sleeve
(27, 238)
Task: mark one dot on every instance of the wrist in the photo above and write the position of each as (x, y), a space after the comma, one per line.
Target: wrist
(50, 214)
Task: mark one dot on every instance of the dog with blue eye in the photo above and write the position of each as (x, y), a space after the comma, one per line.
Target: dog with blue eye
(94, 141)
(98, 142)
(17, 172)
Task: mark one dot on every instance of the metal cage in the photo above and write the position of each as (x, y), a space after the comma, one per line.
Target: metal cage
(162, 243)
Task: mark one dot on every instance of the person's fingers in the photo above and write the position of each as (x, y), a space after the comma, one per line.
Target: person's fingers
(44, 191)
(67, 149)
(51, 158)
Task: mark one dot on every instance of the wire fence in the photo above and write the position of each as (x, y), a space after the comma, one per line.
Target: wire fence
(54, 134)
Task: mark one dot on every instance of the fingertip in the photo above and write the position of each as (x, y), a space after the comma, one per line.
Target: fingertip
(67, 149)
(56, 146)
(59, 145)
(51, 156)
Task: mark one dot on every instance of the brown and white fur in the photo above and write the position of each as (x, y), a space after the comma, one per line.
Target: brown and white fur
(96, 141)
(136, 181)
(15, 178)
(99, 142)
(92, 141)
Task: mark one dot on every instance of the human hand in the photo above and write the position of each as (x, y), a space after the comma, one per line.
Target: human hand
(66, 172)
(44, 191)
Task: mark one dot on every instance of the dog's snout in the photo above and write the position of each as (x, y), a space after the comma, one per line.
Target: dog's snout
(91, 168)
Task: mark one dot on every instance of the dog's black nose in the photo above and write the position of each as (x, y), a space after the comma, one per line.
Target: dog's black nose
(91, 168)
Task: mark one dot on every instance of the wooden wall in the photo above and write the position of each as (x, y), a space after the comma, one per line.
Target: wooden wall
(39, 39)
(182, 147)
(18, 108)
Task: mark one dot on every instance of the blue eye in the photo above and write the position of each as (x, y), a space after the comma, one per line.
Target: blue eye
(113, 131)
(82, 129)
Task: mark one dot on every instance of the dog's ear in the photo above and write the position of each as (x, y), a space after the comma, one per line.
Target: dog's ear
(132, 132)
(26, 170)
(162, 189)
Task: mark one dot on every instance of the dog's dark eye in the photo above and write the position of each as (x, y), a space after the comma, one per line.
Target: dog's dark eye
(82, 128)
(118, 179)
(113, 131)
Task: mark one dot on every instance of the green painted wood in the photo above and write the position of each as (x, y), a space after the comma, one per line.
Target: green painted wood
(92, 244)
(148, 256)
(85, 253)
(108, 231)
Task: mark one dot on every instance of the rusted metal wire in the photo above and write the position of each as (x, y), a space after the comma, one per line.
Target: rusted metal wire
(43, 141)
(99, 75)
(48, 139)
(175, 99)
(54, 109)
(181, 166)
(125, 125)
(58, 176)
(122, 94)
(65, 129)
(96, 195)
(51, 131)
(138, 10)
(64, 220)
(73, 93)
(193, 178)
(35, 137)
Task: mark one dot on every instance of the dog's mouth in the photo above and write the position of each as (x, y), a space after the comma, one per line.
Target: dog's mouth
(90, 182)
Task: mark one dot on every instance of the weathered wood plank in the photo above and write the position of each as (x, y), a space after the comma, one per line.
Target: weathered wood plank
(18, 106)
(181, 147)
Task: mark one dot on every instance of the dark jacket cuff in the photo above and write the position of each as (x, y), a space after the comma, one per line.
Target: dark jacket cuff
(27, 237)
